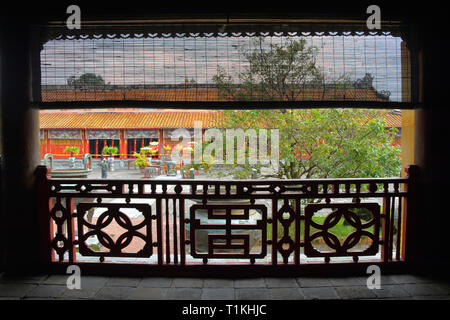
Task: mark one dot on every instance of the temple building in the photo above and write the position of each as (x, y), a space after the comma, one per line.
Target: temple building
(91, 130)
(127, 130)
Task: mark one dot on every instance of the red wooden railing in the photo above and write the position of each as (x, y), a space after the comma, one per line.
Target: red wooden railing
(224, 224)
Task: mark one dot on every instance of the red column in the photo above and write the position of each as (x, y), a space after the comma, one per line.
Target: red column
(83, 147)
(47, 147)
(161, 142)
(123, 145)
(47, 142)
(85, 141)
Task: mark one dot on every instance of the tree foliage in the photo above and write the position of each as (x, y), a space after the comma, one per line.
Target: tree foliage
(112, 151)
(72, 150)
(314, 143)
(322, 143)
(86, 79)
(275, 73)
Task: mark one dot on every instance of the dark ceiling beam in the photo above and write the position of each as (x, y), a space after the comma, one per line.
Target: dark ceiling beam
(149, 10)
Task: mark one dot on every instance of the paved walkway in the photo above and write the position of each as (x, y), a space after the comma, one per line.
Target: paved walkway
(94, 287)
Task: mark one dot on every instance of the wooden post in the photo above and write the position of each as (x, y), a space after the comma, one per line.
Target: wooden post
(21, 152)
(44, 214)
(409, 225)
(2, 240)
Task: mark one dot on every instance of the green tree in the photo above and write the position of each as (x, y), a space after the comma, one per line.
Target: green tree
(314, 143)
(72, 149)
(86, 79)
(323, 143)
(111, 151)
(274, 72)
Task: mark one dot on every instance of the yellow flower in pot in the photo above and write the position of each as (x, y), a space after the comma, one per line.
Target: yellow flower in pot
(141, 161)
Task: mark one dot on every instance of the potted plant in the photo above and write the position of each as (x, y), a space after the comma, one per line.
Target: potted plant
(154, 146)
(111, 151)
(141, 161)
(73, 150)
(205, 165)
(148, 150)
(168, 161)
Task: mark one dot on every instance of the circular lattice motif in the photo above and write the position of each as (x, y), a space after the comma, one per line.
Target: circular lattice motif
(111, 217)
(123, 221)
(339, 246)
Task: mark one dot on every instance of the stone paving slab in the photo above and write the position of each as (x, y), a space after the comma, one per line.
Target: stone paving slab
(281, 283)
(431, 298)
(58, 279)
(314, 282)
(123, 282)
(251, 294)
(391, 291)
(250, 283)
(83, 293)
(339, 282)
(47, 291)
(184, 293)
(18, 290)
(355, 292)
(388, 280)
(22, 279)
(93, 282)
(218, 283)
(217, 294)
(423, 289)
(156, 283)
(148, 294)
(320, 293)
(187, 283)
(407, 278)
(51, 287)
(113, 293)
(285, 294)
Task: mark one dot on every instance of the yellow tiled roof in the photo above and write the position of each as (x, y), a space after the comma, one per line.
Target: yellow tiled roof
(155, 119)
(128, 120)
(393, 120)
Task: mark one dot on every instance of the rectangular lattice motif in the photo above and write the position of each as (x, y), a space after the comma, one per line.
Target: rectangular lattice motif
(240, 231)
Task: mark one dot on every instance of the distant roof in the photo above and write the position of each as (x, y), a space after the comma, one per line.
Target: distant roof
(147, 119)
(393, 120)
(197, 94)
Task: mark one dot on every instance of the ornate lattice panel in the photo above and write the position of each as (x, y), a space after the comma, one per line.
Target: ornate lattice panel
(188, 222)
(115, 243)
(316, 234)
(238, 230)
(287, 218)
(62, 231)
